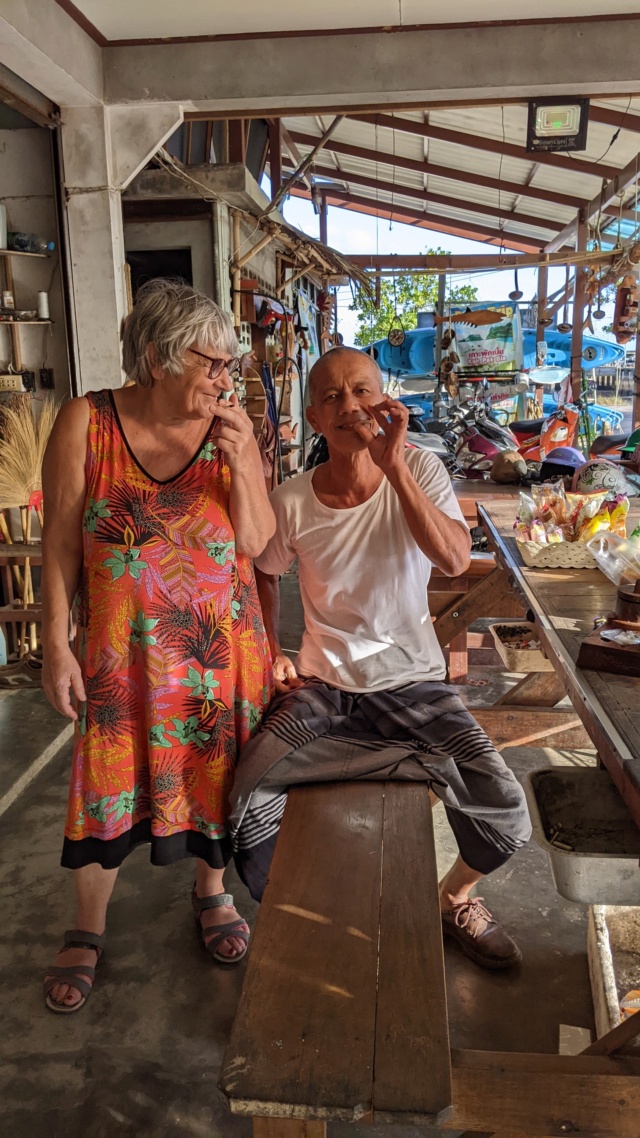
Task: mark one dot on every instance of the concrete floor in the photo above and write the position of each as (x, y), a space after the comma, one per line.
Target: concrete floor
(141, 1061)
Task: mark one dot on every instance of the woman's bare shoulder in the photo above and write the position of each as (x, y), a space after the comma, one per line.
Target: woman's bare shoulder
(72, 420)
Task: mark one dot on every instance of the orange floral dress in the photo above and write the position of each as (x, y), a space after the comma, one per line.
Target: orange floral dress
(173, 654)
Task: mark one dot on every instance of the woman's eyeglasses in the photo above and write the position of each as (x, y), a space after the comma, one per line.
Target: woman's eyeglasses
(217, 366)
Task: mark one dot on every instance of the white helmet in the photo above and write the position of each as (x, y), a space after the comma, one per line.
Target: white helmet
(598, 474)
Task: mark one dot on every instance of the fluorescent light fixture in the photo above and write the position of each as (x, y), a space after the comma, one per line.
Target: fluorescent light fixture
(557, 124)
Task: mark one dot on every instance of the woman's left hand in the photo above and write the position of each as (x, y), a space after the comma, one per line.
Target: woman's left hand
(233, 434)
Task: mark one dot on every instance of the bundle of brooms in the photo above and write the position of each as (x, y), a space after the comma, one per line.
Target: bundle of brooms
(23, 440)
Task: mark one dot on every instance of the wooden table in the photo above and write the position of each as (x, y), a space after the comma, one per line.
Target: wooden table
(564, 603)
(447, 592)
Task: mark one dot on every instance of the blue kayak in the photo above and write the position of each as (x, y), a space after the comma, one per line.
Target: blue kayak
(416, 356)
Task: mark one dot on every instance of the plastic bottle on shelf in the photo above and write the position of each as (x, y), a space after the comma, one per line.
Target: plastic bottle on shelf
(29, 243)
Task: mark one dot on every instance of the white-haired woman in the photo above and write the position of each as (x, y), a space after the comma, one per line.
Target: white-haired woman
(155, 505)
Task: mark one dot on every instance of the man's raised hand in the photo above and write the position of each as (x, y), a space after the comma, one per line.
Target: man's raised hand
(387, 448)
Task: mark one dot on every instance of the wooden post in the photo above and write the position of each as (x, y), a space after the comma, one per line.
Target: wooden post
(324, 218)
(579, 303)
(237, 273)
(236, 141)
(442, 292)
(543, 276)
(635, 407)
(275, 155)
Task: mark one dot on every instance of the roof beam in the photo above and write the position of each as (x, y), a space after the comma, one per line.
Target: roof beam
(415, 66)
(464, 176)
(618, 185)
(429, 198)
(615, 118)
(492, 145)
(435, 222)
(443, 262)
(607, 196)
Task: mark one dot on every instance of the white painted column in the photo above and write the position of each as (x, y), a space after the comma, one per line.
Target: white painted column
(103, 148)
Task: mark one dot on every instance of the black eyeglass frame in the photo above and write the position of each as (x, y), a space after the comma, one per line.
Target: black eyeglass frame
(218, 365)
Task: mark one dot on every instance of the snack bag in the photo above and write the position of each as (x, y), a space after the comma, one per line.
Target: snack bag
(551, 503)
(618, 510)
(538, 533)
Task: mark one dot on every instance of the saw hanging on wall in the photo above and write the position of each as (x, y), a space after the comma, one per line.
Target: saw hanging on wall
(625, 317)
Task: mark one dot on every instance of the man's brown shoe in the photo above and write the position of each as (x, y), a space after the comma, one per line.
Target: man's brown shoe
(479, 936)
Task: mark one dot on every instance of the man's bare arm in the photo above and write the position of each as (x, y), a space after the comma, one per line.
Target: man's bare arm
(445, 541)
(284, 672)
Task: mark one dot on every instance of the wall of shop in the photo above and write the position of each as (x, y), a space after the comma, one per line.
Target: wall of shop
(197, 236)
(27, 191)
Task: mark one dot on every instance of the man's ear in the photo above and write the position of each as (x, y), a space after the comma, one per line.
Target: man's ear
(312, 418)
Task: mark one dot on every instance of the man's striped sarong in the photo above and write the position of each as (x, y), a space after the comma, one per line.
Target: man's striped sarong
(420, 731)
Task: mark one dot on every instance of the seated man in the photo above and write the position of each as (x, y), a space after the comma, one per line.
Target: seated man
(366, 698)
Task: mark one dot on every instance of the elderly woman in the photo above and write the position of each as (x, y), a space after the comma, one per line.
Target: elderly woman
(155, 505)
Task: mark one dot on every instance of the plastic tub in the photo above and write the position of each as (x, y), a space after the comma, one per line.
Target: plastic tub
(581, 809)
(617, 557)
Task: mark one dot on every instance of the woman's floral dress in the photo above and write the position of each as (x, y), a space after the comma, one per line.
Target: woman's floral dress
(173, 655)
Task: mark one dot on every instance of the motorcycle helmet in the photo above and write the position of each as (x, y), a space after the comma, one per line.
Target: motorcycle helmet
(562, 462)
(632, 443)
(599, 474)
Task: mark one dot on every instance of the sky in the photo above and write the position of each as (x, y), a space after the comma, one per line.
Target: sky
(351, 232)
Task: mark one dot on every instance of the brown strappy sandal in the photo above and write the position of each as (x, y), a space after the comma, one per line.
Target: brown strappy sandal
(213, 937)
(79, 976)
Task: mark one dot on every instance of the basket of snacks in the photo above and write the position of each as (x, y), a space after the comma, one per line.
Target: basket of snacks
(518, 646)
(553, 527)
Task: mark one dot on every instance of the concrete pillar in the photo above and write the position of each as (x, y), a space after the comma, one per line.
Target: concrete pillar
(103, 148)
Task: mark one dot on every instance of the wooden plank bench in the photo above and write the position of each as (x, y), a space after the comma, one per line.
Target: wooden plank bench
(343, 1011)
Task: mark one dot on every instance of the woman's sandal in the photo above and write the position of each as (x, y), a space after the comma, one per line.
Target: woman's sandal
(79, 976)
(213, 936)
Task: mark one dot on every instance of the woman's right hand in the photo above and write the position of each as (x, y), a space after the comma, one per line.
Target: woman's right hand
(61, 676)
(285, 676)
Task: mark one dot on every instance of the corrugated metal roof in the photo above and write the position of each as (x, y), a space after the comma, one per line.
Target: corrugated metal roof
(472, 172)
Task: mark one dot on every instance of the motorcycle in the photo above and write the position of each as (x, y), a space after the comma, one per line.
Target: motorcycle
(536, 438)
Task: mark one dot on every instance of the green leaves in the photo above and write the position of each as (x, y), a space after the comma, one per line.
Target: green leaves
(186, 731)
(157, 736)
(94, 512)
(141, 628)
(202, 684)
(207, 453)
(221, 551)
(236, 608)
(410, 294)
(120, 562)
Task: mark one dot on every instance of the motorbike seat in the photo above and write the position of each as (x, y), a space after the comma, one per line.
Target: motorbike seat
(605, 443)
(529, 427)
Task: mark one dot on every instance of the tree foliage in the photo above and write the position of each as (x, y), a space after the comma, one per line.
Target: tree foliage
(400, 302)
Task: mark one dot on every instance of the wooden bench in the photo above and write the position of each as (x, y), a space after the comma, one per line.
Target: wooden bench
(343, 1011)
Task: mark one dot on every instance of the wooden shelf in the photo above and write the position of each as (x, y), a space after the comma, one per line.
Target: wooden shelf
(16, 614)
(18, 253)
(18, 551)
(20, 323)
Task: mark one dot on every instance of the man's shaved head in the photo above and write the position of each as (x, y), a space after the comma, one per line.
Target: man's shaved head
(339, 358)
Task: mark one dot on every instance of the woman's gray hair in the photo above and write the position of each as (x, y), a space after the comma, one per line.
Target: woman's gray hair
(172, 316)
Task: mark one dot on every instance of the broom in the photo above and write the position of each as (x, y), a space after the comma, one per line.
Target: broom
(23, 440)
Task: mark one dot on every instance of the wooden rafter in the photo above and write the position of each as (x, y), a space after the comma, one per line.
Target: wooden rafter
(609, 117)
(470, 177)
(615, 189)
(436, 199)
(482, 142)
(435, 222)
